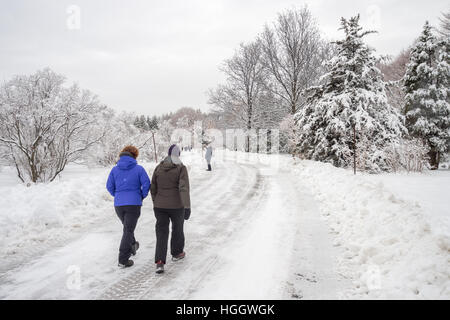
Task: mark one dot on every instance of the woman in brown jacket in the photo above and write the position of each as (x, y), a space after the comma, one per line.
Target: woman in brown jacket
(171, 203)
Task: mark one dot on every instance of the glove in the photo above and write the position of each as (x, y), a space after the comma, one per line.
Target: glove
(187, 213)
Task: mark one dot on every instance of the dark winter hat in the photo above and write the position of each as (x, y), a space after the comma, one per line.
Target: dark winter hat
(174, 154)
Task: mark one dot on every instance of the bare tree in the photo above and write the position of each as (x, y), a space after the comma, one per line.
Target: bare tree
(45, 125)
(393, 71)
(293, 53)
(239, 97)
(444, 30)
(188, 114)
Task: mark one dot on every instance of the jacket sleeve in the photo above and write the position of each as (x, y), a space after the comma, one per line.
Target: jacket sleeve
(145, 183)
(183, 186)
(110, 184)
(154, 185)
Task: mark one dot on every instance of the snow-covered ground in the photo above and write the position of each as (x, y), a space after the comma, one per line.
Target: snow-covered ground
(261, 227)
(394, 229)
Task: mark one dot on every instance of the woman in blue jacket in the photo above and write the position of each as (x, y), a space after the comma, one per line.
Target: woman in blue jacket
(129, 184)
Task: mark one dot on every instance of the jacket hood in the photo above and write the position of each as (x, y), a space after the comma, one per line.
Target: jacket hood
(167, 164)
(126, 163)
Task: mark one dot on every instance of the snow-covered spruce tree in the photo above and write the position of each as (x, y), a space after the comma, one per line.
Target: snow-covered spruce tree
(349, 108)
(427, 97)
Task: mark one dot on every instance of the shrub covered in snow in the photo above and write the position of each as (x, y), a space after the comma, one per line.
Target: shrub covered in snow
(409, 154)
(45, 125)
(289, 135)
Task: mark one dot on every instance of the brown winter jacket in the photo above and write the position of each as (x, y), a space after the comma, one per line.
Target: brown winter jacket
(170, 186)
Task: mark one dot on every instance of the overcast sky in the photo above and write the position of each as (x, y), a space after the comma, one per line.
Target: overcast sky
(156, 56)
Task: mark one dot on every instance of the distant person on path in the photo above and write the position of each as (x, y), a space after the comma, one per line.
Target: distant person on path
(171, 203)
(208, 156)
(129, 184)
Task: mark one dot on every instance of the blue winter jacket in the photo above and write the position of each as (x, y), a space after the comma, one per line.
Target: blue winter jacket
(128, 182)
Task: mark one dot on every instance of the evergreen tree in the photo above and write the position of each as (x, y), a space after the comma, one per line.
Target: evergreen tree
(427, 97)
(137, 123)
(152, 123)
(141, 123)
(349, 109)
(144, 123)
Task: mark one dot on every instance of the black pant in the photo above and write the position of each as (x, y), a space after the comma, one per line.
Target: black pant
(129, 216)
(163, 218)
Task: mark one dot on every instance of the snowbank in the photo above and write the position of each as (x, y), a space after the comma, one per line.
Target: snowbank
(46, 213)
(393, 248)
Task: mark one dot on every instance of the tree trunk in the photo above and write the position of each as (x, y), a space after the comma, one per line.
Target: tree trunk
(438, 159)
(354, 149)
(434, 159)
(258, 138)
(154, 147)
(19, 174)
(249, 122)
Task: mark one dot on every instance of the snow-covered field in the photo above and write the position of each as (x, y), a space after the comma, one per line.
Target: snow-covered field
(261, 227)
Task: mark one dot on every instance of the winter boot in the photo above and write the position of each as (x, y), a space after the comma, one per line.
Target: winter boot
(209, 167)
(179, 256)
(159, 267)
(134, 248)
(127, 264)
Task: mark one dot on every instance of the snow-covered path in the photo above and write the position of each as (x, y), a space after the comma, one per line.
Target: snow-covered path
(255, 232)
(283, 251)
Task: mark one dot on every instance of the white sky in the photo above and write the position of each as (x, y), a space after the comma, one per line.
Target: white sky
(156, 56)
